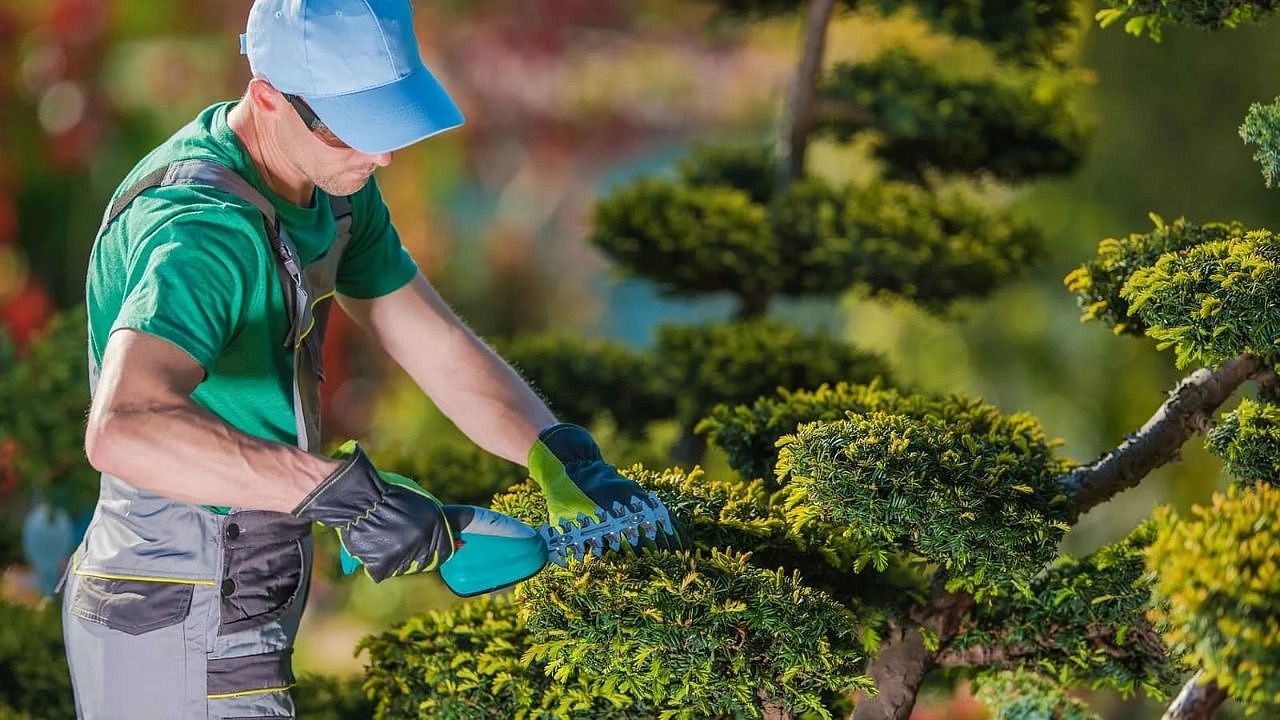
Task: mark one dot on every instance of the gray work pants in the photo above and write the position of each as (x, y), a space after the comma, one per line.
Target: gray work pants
(140, 649)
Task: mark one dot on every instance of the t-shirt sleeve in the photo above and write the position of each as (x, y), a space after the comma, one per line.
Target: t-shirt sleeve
(192, 280)
(375, 262)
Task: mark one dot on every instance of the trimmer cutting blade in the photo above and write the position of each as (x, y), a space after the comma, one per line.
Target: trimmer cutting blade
(641, 518)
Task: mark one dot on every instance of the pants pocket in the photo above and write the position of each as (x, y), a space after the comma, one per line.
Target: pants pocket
(131, 606)
(264, 570)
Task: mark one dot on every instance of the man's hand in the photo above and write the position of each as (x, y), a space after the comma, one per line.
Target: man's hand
(567, 464)
(389, 524)
(384, 520)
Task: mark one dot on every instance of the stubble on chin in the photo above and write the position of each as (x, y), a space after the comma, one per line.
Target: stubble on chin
(342, 185)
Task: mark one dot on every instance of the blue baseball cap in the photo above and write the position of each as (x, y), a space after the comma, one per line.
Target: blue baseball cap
(356, 63)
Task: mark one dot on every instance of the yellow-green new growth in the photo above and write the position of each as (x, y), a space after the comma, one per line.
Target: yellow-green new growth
(1218, 572)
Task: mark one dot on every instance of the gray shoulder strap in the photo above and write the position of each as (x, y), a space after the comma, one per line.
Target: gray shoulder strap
(212, 174)
(340, 205)
(193, 172)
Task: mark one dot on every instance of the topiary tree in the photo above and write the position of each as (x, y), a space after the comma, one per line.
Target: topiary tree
(751, 221)
(868, 535)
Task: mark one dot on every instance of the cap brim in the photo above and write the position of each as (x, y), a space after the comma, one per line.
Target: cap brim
(391, 116)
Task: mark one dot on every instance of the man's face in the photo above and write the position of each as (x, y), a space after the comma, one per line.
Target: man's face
(323, 158)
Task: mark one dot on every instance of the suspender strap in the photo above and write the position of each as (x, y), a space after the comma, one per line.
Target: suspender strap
(194, 172)
(340, 205)
(288, 265)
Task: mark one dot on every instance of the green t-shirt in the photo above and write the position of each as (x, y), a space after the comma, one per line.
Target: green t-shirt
(192, 265)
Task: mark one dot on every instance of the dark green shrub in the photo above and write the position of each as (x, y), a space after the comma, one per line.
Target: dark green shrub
(44, 395)
(320, 697)
(932, 121)
(931, 249)
(736, 362)
(748, 434)
(582, 378)
(748, 168)
(1150, 16)
(34, 679)
(689, 239)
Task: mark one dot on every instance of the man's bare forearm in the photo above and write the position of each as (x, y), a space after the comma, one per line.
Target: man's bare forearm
(470, 384)
(486, 399)
(180, 450)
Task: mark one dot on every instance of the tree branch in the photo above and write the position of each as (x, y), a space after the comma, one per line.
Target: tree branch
(797, 114)
(1142, 640)
(1197, 701)
(773, 709)
(1187, 412)
(899, 668)
(829, 109)
(982, 656)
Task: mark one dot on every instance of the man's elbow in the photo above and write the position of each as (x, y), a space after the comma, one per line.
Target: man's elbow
(103, 440)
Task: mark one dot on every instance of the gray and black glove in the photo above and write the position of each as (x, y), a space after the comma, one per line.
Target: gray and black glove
(385, 521)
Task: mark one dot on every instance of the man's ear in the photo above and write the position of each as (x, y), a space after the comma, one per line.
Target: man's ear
(264, 96)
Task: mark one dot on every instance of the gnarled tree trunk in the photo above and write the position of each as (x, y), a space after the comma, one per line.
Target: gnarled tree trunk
(1197, 701)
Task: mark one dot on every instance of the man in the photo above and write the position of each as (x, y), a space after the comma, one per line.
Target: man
(208, 289)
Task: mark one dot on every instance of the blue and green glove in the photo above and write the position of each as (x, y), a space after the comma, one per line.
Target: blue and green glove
(567, 464)
(391, 526)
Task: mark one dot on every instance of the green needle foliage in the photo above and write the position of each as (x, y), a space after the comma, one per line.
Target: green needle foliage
(1213, 301)
(895, 240)
(1218, 580)
(976, 493)
(696, 634)
(748, 168)
(1248, 441)
(1084, 623)
(744, 517)
(584, 377)
(467, 663)
(691, 239)
(889, 238)
(749, 434)
(1025, 31)
(1097, 283)
(1261, 127)
(736, 362)
(931, 249)
(702, 633)
(851, 496)
(931, 121)
(1026, 695)
(1150, 16)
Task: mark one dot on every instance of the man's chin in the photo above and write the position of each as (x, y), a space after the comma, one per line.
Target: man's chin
(344, 185)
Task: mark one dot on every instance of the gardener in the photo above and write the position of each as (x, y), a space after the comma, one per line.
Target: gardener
(208, 289)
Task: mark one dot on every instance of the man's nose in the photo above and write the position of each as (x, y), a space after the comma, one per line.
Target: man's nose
(381, 159)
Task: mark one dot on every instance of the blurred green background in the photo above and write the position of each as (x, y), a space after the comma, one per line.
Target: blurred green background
(567, 98)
